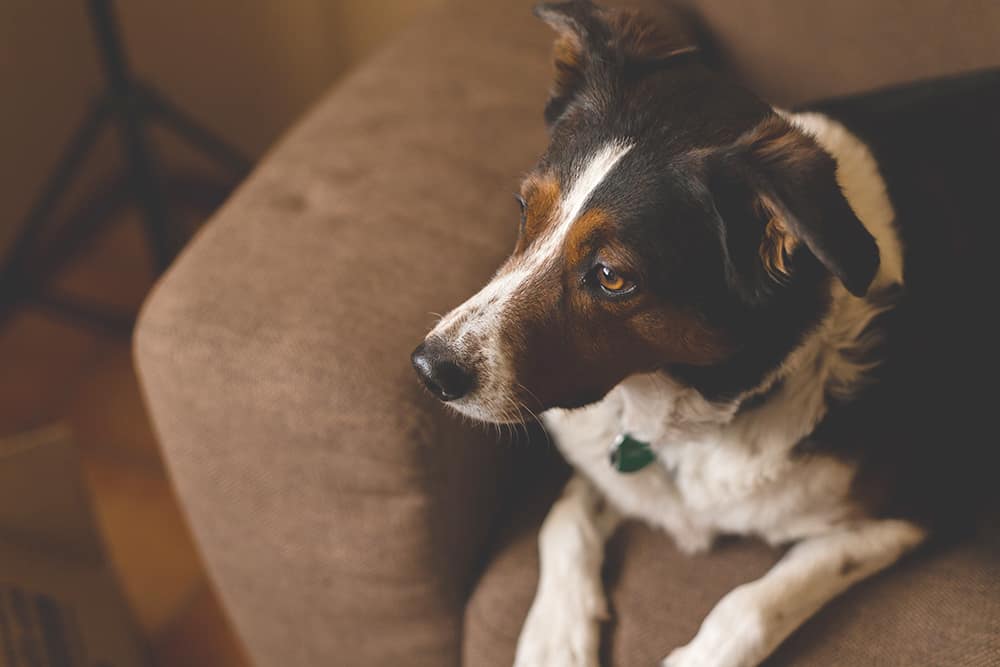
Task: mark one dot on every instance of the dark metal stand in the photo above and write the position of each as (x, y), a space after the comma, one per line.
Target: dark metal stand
(128, 104)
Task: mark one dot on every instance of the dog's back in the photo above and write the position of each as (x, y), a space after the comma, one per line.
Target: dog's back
(922, 427)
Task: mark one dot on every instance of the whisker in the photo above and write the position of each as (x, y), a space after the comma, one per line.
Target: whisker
(531, 412)
(541, 425)
(533, 395)
(504, 415)
(500, 410)
(514, 421)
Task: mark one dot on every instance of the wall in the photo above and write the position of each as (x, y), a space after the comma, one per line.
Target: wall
(246, 68)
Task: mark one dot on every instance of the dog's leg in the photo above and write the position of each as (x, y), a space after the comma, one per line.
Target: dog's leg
(750, 621)
(563, 625)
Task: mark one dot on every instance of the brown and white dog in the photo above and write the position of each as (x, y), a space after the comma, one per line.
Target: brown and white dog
(707, 275)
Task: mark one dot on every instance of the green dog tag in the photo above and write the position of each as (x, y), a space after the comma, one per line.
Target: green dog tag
(629, 455)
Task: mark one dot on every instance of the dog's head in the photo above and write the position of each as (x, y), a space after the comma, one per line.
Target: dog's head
(674, 223)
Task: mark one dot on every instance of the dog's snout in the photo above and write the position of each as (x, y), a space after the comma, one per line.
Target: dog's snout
(441, 373)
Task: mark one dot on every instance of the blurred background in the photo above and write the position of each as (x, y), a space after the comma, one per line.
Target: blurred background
(242, 69)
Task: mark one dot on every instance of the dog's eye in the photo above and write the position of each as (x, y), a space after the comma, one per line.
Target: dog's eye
(612, 282)
(524, 209)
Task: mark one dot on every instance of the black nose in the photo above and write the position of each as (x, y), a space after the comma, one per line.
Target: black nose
(440, 373)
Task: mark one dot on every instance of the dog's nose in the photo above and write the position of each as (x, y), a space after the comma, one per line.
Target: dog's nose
(441, 373)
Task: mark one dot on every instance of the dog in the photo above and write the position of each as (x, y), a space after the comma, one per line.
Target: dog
(700, 304)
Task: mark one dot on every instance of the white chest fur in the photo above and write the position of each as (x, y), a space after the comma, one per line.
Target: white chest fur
(717, 479)
(722, 472)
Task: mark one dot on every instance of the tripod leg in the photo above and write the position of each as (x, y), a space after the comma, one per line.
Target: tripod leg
(128, 111)
(71, 161)
(108, 319)
(194, 132)
(146, 186)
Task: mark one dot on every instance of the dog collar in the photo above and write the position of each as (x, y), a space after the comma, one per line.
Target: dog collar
(630, 455)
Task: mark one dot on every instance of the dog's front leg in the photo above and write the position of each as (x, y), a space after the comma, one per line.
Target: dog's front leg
(563, 625)
(750, 621)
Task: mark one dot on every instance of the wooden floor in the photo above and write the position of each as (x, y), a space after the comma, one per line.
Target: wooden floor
(55, 370)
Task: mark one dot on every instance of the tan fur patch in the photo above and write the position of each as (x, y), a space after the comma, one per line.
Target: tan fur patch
(777, 244)
(541, 192)
(567, 54)
(566, 50)
(583, 231)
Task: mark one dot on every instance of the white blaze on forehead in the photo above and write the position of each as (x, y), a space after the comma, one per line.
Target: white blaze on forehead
(491, 301)
(594, 171)
(587, 178)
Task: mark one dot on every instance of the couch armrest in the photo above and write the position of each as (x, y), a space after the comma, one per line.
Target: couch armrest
(341, 513)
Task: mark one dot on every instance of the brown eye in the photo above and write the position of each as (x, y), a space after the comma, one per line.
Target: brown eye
(612, 282)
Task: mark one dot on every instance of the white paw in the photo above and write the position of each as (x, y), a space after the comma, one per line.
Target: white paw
(733, 635)
(677, 658)
(562, 630)
(688, 656)
(694, 655)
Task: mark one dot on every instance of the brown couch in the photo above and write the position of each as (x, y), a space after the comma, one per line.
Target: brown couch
(345, 518)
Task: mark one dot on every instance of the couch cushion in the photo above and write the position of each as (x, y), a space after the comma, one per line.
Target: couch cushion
(938, 607)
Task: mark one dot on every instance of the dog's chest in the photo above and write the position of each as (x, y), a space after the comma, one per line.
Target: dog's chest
(706, 479)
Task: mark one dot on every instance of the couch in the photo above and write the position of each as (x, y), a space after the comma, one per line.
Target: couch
(347, 519)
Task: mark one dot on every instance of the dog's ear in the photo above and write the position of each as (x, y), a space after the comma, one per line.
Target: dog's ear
(580, 49)
(593, 44)
(776, 192)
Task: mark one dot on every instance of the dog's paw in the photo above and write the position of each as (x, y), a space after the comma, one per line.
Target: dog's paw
(561, 631)
(685, 656)
(694, 655)
(733, 635)
(675, 659)
(558, 642)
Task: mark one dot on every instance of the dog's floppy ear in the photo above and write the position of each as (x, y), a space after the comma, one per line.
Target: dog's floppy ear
(776, 191)
(593, 44)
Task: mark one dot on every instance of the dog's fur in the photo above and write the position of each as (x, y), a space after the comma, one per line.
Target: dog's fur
(761, 263)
